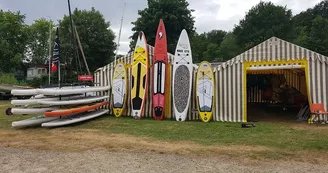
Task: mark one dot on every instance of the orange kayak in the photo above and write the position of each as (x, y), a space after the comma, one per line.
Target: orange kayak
(74, 110)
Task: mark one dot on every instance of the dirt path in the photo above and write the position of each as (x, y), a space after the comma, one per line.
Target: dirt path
(101, 160)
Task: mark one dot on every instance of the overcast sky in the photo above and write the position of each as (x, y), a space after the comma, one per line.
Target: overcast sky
(210, 14)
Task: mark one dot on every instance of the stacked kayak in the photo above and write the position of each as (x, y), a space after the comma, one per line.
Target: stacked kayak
(59, 106)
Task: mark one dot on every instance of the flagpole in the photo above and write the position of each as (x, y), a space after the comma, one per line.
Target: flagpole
(49, 54)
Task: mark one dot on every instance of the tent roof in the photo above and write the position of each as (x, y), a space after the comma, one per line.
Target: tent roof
(274, 49)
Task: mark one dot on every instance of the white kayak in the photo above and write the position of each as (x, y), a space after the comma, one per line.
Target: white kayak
(68, 91)
(33, 121)
(34, 110)
(73, 102)
(23, 92)
(75, 118)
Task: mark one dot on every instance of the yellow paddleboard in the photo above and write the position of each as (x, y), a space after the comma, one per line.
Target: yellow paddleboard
(139, 76)
(119, 91)
(205, 91)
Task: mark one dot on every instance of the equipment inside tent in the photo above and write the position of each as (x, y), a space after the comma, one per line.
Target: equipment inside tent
(276, 95)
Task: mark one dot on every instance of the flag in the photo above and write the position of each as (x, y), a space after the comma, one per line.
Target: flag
(55, 59)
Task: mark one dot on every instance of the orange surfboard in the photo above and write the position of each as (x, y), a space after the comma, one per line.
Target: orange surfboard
(74, 110)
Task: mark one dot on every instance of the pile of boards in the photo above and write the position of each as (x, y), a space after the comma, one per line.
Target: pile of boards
(58, 106)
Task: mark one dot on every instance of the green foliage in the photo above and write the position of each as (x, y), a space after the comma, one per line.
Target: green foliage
(176, 16)
(96, 38)
(229, 48)
(262, 22)
(310, 28)
(205, 46)
(13, 38)
(38, 81)
(7, 78)
(318, 38)
(38, 34)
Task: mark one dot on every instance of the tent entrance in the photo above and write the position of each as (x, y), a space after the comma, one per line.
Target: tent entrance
(276, 93)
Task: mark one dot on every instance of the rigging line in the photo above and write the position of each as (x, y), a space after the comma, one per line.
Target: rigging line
(81, 49)
(73, 36)
(119, 33)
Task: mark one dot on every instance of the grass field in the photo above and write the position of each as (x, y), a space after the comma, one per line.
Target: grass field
(273, 140)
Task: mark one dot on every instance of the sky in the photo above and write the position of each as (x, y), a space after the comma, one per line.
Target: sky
(209, 14)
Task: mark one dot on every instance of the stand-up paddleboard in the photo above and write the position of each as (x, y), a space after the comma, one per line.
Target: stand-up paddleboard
(34, 110)
(119, 88)
(205, 91)
(33, 121)
(139, 76)
(69, 91)
(182, 77)
(24, 92)
(75, 110)
(73, 102)
(75, 118)
(160, 62)
(41, 98)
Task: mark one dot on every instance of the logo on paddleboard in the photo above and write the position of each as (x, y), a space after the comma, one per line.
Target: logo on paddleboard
(160, 35)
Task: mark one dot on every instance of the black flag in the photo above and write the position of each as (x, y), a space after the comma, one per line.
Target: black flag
(55, 59)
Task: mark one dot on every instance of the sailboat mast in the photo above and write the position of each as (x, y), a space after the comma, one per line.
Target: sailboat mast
(119, 34)
(71, 21)
(49, 53)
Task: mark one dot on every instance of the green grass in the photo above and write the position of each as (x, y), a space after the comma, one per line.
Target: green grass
(281, 136)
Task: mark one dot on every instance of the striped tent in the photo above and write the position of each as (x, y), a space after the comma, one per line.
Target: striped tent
(231, 93)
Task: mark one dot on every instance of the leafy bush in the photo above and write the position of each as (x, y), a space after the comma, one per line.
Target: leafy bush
(38, 81)
(7, 78)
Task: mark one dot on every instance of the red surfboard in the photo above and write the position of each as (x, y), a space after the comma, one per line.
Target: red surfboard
(160, 62)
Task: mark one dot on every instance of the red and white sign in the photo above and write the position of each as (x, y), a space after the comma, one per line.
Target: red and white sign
(85, 77)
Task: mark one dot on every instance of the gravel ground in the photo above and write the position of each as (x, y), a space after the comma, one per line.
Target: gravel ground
(100, 160)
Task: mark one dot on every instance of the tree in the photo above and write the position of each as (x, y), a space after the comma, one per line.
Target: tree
(13, 39)
(39, 40)
(229, 48)
(176, 16)
(262, 22)
(318, 38)
(216, 36)
(199, 45)
(97, 39)
(310, 28)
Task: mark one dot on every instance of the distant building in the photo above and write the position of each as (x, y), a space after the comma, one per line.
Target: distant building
(34, 72)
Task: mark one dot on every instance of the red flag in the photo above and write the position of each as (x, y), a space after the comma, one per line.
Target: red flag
(53, 67)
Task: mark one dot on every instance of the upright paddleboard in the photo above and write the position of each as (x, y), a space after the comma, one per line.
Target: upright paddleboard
(160, 62)
(205, 91)
(139, 76)
(119, 88)
(182, 77)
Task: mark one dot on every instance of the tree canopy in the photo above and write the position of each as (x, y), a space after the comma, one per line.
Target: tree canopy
(262, 22)
(96, 38)
(176, 16)
(13, 39)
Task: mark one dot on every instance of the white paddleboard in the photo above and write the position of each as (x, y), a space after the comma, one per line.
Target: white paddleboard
(68, 91)
(73, 102)
(23, 92)
(33, 121)
(75, 118)
(41, 97)
(34, 110)
(182, 77)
